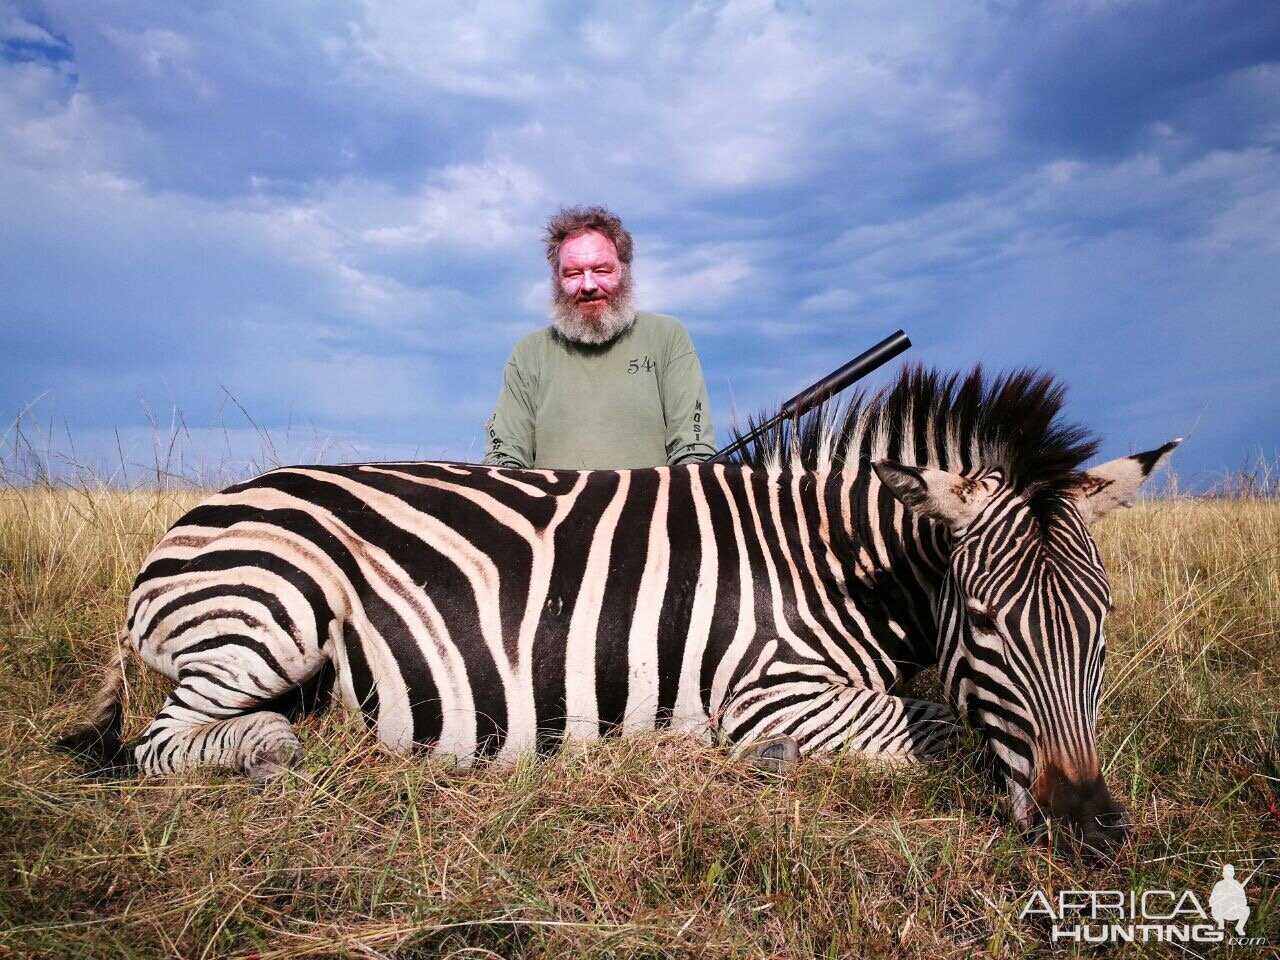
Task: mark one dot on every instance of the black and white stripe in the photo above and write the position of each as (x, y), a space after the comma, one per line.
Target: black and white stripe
(486, 612)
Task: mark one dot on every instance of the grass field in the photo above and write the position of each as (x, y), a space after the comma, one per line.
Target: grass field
(641, 847)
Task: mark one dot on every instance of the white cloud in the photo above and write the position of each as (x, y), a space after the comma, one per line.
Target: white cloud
(832, 299)
(482, 206)
(606, 40)
(536, 296)
(163, 54)
(702, 277)
(23, 31)
(477, 49)
(49, 127)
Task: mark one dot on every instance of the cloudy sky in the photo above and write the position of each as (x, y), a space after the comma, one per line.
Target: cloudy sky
(320, 223)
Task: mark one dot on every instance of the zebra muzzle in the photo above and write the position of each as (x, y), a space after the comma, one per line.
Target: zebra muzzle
(1083, 805)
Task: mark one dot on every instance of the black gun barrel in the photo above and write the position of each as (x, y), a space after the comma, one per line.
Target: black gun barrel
(804, 401)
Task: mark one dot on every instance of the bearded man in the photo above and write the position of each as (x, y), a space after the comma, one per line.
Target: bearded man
(604, 386)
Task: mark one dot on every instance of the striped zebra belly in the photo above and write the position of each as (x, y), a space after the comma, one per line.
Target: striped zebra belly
(443, 691)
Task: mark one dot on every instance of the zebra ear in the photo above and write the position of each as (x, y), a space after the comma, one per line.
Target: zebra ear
(1114, 484)
(949, 497)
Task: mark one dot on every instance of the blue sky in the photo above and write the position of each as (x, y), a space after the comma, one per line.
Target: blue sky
(328, 215)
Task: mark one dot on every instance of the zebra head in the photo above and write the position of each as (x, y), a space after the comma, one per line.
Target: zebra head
(1020, 617)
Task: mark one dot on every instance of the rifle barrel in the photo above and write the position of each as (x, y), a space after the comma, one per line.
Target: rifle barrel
(804, 401)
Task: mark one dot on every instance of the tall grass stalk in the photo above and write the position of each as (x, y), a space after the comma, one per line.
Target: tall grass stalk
(639, 847)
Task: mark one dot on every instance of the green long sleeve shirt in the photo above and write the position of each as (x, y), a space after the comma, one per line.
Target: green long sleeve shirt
(637, 401)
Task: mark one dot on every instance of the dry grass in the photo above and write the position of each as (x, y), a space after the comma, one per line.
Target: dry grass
(642, 847)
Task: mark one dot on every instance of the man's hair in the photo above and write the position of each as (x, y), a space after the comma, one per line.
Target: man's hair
(569, 222)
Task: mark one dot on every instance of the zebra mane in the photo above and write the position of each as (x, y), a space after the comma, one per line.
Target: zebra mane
(944, 420)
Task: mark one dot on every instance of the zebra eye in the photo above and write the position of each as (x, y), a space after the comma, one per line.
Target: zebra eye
(981, 621)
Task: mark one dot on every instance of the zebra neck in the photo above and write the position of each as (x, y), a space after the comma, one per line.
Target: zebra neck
(892, 564)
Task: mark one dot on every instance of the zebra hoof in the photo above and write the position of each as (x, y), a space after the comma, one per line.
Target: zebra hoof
(273, 763)
(775, 756)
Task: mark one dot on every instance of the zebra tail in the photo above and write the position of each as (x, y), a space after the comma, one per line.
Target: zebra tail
(97, 746)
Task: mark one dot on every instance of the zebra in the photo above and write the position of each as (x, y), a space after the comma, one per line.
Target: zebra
(779, 604)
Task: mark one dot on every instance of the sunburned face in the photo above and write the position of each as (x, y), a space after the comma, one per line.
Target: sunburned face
(589, 272)
(591, 300)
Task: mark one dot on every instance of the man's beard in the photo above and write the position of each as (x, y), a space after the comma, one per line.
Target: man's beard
(567, 317)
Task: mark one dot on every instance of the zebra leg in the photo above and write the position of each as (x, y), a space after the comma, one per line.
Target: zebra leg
(210, 720)
(821, 717)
